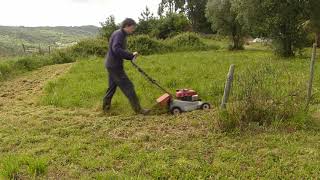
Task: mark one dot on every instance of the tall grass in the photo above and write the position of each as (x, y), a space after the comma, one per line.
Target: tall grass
(263, 94)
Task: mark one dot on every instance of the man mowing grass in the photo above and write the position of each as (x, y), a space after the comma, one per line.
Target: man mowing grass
(114, 65)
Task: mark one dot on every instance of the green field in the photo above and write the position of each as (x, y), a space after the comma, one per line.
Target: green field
(205, 71)
(12, 38)
(52, 126)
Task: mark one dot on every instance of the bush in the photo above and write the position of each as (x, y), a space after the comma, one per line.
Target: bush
(261, 98)
(171, 25)
(27, 63)
(146, 45)
(108, 27)
(187, 41)
(147, 27)
(182, 42)
(88, 47)
(62, 56)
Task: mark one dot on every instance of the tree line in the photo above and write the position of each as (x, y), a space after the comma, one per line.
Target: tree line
(286, 23)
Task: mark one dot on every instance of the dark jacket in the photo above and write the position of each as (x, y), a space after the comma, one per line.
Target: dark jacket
(117, 50)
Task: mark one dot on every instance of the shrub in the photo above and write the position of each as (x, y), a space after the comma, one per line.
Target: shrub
(108, 27)
(187, 41)
(261, 98)
(147, 26)
(27, 63)
(171, 25)
(88, 47)
(62, 56)
(146, 45)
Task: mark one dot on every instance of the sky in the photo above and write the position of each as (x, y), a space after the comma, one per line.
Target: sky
(70, 12)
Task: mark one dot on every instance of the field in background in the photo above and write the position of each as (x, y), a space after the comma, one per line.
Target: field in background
(12, 38)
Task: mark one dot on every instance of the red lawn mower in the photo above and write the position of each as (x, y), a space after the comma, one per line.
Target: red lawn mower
(184, 100)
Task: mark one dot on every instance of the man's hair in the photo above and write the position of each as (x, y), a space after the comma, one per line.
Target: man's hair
(128, 22)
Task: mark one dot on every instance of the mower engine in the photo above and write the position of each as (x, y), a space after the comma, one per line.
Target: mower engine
(185, 100)
(187, 95)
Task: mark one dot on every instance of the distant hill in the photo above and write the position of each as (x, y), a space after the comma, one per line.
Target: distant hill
(12, 38)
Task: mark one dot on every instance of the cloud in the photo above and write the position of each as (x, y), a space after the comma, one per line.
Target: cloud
(80, 1)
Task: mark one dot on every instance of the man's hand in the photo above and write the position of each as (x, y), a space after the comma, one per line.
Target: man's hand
(135, 53)
(135, 56)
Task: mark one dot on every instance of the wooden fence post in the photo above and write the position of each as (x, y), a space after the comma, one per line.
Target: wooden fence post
(49, 47)
(313, 61)
(24, 48)
(228, 86)
(39, 49)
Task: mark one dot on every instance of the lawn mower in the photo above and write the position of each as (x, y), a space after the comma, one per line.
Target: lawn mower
(184, 100)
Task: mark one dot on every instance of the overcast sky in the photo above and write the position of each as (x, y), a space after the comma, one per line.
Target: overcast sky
(69, 12)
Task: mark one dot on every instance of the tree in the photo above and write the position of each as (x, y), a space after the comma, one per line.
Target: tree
(279, 20)
(171, 6)
(146, 15)
(108, 27)
(313, 24)
(147, 23)
(164, 26)
(171, 25)
(194, 9)
(224, 18)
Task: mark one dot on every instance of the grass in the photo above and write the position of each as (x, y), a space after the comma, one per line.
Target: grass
(129, 147)
(71, 139)
(15, 167)
(202, 71)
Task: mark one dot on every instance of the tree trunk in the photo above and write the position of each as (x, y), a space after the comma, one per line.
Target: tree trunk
(237, 40)
(287, 50)
(237, 43)
(285, 47)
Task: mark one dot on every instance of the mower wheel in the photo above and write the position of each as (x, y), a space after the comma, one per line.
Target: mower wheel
(176, 111)
(206, 106)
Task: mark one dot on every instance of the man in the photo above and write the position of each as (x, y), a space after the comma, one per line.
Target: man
(114, 65)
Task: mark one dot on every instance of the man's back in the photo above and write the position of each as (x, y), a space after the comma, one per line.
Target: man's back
(117, 52)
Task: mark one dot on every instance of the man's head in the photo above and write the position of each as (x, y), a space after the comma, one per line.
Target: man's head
(129, 25)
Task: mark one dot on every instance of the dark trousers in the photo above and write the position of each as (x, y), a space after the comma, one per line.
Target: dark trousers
(118, 78)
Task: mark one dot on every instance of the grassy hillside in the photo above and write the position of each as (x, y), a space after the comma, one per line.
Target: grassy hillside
(12, 38)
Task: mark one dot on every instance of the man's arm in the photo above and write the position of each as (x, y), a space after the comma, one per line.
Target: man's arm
(117, 48)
